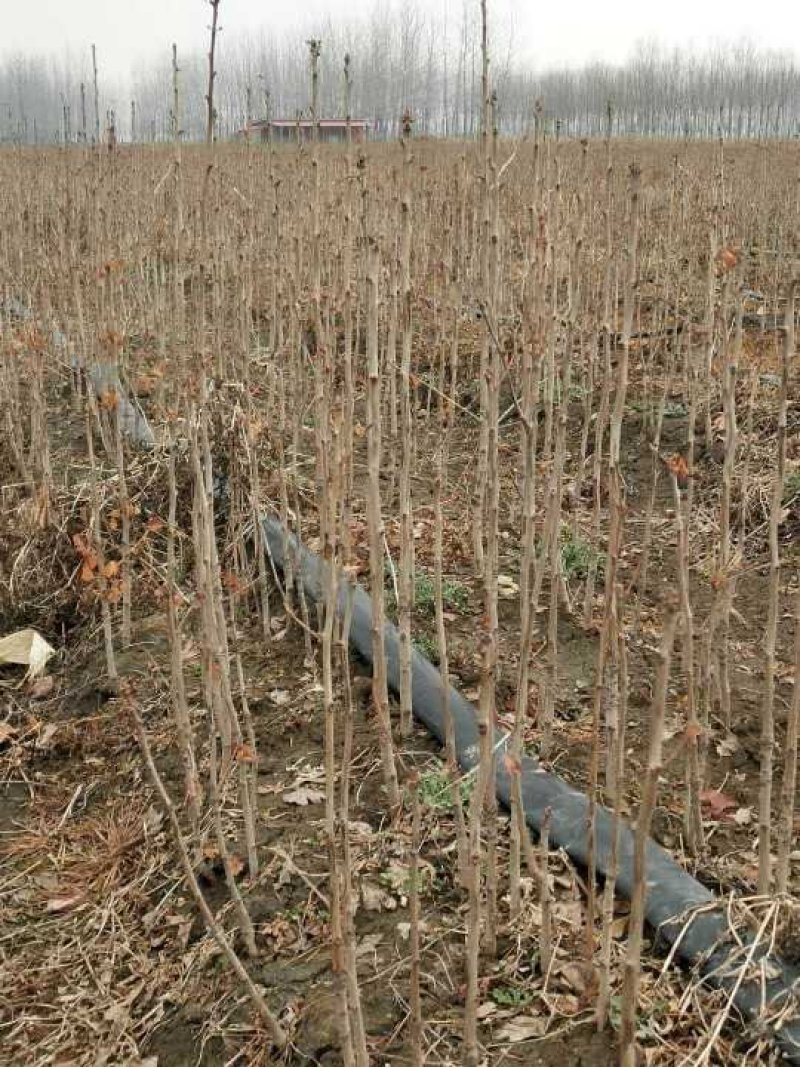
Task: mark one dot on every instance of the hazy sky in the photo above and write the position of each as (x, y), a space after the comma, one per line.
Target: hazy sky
(127, 31)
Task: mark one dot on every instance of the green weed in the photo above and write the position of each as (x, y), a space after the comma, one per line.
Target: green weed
(578, 557)
(511, 996)
(455, 597)
(427, 647)
(435, 790)
(791, 487)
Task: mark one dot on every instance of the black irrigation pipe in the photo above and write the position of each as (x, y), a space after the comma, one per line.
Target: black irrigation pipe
(682, 911)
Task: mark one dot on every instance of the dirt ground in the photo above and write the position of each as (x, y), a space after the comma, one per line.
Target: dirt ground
(104, 959)
(102, 946)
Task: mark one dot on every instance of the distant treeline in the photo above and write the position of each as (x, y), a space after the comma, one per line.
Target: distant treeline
(404, 60)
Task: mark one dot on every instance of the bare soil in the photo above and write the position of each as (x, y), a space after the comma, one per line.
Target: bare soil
(101, 949)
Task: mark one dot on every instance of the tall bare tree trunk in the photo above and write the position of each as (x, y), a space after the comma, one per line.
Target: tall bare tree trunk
(211, 114)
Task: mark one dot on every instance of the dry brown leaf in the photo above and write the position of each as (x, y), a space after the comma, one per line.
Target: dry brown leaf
(507, 588)
(716, 804)
(6, 732)
(244, 754)
(619, 927)
(304, 795)
(48, 732)
(368, 944)
(64, 903)
(237, 865)
(521, 1028)
(42, 687)
(573, 975)
(678, 466)
(728, 746)
(727, 258)
(375, 898)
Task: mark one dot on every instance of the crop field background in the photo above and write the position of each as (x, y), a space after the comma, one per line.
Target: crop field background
(540, 398)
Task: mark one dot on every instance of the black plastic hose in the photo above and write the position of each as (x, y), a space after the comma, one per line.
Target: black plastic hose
(682, 911)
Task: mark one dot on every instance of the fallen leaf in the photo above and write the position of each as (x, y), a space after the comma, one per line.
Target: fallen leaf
(231, 582)
(728, 746)
(88, 568)
(64, 903)
(717, 804)
(304, 795)
(507, 588)
(375, 898)
(237, 865)
(244, 754)
(48, 732)
(619, 927)
(145, 384)
(727, 258)
(360, 829)
(42, 687)
(6, 732)
(309, 773)
(268, 790)
(117, 1014)
(573, 975)
(47, 880)
(153, 819)
(368, 945)
(678, 466)
(26, 648)
(522, 1028)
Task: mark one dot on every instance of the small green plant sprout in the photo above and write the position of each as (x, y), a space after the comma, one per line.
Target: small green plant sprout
(455, 597)
(675, 409)
(427, 647)
(791, 488)
(435, 790)
(509, 996)
(424, 598)
(578, 557)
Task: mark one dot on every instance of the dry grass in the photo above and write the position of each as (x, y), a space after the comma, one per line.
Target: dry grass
(205, 278)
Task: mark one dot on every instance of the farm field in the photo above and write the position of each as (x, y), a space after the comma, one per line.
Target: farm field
(540, 399)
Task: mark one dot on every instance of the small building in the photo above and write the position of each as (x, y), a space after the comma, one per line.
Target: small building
(290, 131)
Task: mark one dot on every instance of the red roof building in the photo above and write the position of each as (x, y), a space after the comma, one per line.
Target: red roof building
(293, 131)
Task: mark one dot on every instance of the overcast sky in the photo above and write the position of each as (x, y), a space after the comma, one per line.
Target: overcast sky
(127, 31)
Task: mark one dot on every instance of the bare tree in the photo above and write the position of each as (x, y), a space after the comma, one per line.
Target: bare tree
(211, 115)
